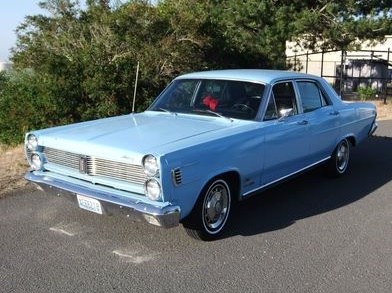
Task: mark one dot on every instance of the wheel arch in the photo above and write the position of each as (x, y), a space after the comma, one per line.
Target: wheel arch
(233, 179)
(351, 139)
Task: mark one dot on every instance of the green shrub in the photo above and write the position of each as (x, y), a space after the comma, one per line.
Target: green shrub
(24, 105)
(366, 93)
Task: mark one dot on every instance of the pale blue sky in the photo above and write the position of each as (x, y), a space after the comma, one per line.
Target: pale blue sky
(12, 13)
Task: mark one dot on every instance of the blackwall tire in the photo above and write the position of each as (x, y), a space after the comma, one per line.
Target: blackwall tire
(339, 161)
(209, 217)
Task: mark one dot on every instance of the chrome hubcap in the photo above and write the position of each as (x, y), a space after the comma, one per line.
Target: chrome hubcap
(342, 156)
(216, 206)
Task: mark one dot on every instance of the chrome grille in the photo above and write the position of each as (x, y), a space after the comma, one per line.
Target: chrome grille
(65, 159)
(97, 166)
(119, 170)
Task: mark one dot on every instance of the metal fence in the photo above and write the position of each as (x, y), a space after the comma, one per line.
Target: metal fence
(349, 71)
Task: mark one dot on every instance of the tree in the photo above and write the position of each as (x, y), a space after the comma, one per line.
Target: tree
(341, 25)
(252, 32)
(90, 55)
(82, 61)
(24, 105)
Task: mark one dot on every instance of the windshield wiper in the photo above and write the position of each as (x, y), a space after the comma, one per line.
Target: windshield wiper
(211, 112)
(162, 109)
(165, 110)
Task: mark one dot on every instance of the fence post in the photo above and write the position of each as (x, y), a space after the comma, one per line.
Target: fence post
(342, 62)
(307, 60)
(295, 61)
(372, 69)
(387, 78)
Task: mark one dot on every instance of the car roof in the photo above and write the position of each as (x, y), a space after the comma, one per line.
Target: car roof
(252, 75)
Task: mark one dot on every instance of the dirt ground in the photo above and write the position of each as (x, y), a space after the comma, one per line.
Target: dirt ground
(11, 177)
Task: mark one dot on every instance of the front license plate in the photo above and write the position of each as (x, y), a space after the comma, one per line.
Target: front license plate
(89, 204)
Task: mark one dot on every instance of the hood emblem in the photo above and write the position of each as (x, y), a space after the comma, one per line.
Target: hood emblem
(83, 164)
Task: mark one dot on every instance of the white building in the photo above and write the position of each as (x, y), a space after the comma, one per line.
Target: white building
(5, 65)
(369, 67)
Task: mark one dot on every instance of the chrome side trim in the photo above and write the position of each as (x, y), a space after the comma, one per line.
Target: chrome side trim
(166, 217)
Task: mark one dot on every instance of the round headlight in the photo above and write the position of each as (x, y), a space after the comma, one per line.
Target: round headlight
(152, 188)
(32, 142)
(36, 163)
(150, 165)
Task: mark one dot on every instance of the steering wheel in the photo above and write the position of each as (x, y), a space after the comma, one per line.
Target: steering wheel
(242, 107)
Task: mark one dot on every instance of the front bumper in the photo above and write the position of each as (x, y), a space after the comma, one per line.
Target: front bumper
(166, 217)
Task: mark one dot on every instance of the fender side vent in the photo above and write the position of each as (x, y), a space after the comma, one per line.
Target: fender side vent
(177, 176)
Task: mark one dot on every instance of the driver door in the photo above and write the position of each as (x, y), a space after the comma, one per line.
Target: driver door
(287, 135)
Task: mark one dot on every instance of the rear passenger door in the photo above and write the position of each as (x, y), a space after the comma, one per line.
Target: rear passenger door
(323, 119)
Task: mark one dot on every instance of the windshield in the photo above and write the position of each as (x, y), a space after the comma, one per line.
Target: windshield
(234, 99)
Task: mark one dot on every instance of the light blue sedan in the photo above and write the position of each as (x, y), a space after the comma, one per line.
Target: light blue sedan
(209, 139)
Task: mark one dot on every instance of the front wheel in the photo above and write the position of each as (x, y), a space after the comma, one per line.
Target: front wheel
(338, 163)
(210, 214)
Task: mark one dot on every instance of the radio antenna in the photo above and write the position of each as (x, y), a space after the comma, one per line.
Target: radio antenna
(134, 91)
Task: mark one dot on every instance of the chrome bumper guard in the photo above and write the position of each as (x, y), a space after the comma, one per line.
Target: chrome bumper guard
(373, 128)
(166, 217)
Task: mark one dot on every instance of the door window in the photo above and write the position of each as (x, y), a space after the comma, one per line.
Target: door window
(282, 98)
(311, 96)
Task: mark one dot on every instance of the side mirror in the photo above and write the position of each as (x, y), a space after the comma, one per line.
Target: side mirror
(284, 113)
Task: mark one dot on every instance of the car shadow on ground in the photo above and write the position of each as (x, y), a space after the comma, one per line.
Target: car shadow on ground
(313, 193)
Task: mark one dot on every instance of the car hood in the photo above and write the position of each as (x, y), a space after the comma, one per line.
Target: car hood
(147, 132)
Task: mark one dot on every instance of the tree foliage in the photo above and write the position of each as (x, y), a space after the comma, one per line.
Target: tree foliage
(342, 24)
(24, 105)
(79, 62)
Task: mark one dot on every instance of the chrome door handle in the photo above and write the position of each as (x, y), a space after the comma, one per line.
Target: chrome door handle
(303, 122)
(334, 113)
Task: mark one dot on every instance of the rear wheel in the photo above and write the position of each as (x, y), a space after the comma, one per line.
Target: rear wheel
(338, 163)
(211, 212)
